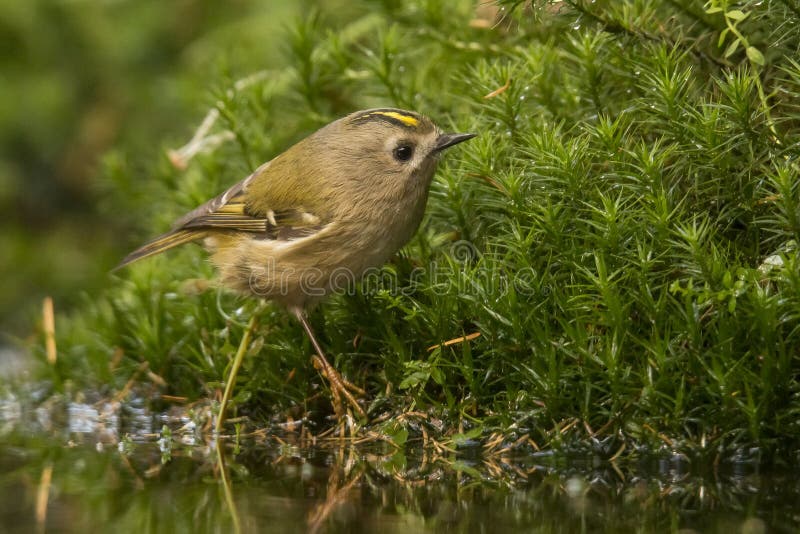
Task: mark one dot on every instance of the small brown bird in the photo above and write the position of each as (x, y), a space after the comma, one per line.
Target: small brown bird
(339, 202)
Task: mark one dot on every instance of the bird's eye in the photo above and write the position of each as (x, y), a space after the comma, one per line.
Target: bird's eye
(403, 152)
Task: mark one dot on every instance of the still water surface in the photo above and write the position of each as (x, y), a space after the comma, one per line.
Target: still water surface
(81, 480)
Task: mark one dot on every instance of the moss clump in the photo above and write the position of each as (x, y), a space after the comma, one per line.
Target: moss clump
(623, 234)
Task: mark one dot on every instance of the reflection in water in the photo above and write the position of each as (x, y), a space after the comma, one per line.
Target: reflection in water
(285, 489)
(173, 481)
(230, 503)
(42, 496)
(341, 482)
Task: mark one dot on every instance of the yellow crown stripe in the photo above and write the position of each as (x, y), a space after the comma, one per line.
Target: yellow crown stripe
(408, 120)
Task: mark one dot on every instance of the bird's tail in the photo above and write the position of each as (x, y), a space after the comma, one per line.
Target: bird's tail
(160, 244)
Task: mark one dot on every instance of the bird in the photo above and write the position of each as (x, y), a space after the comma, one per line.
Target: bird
(341, 201)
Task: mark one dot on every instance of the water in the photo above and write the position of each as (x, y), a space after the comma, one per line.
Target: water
(79, 476)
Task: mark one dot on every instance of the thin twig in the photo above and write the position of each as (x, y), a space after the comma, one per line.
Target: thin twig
(49, 326)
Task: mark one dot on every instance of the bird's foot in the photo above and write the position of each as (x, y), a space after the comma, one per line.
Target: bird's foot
(340, 387)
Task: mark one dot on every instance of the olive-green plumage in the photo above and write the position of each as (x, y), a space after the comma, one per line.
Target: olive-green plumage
(316, 217)
(340, 201)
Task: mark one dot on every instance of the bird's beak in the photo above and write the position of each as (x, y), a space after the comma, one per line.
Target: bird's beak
(448, 140)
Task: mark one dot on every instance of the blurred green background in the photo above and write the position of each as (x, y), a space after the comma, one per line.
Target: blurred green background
(79, 78)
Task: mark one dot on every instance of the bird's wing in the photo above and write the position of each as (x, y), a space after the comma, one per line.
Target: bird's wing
(229, 212)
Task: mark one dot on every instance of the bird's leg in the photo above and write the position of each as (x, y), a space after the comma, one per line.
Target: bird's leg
(237, 362)
(340, 387)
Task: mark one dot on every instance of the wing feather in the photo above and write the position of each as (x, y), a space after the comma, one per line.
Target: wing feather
(160, 244)
(229, 212)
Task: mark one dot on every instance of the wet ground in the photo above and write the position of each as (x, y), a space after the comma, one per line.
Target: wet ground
(98, 468)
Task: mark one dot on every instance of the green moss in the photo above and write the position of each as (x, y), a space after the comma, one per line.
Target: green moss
(623, 234)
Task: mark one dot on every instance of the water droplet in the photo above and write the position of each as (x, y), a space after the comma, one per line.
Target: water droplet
(575, 487)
